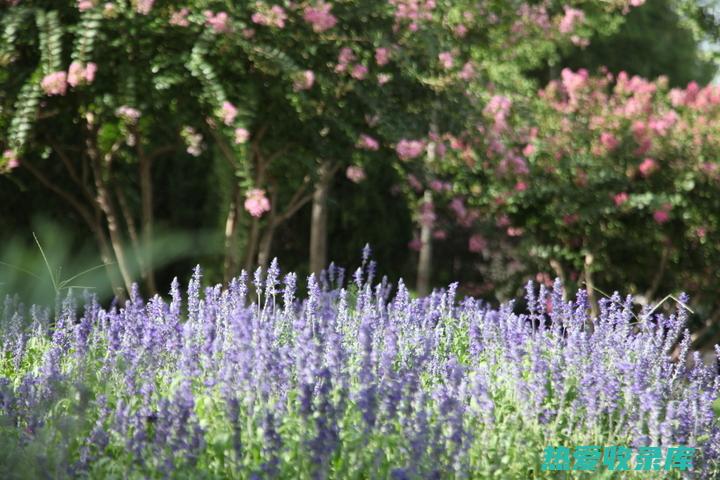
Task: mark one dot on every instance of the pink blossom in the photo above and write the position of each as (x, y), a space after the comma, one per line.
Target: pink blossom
(439, 234)
(414, 182)
(304, 81)
(320, 17)
(460, 30)
(701, 232)
(458, 207)
(143, 7)
(661, 216)
(571, 218)
(620, 198)
(572, 17)
(241, 135)
(84, 5)
(609, 141)
(11, 158)
(647, 167)
(382, 55)
(359, 72)
(468, 72)
(54, 83)
(274, 17)
(383, 78)
(345, 56)
(446, 59)
(220, 22)
(436, 185)
(90, 70)
(129, 114)
(409, 149)
(573, 81)
(179, 18)
(521, 186)
(529, 149)
(366, 142)
(477, 243)
(256, 202)
(248, 33)
(415, 244)
(355, 174)
(228, 112)
(514, 232)
(427, 214)
(637, 3)
(76, 73)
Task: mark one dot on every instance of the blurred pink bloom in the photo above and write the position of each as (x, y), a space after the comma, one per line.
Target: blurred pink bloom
(571, 218)
(274, 17)
(621, 198)
(129, 114)
(458, 207)
(460, 30)
(446, 59)
(220, 22)
(179, 18)
(637, 3)
(355, 174)
(248, 33)
(383, 78)
(11, 158)
(427, 214)
(382, 55)
(83, 5)
(647, 167)
(468, 72)
(477, 243)
(414, 182)
(529, 149)
(572, 17)
(359, 72)
(437, 185)
(514, 232)
(701, 232)
(54, 83)
(661, 216)
(366, 142)
(415, 244)
(90, 70)
(521, 186)
(320, 17)
(228, 112)
(439, 234)
(241, 135)
(409, 149)
(609, 141)
(143, 7)
(305, 81)
(256, 202)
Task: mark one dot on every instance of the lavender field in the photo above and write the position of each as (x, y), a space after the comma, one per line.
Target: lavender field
(353, 379)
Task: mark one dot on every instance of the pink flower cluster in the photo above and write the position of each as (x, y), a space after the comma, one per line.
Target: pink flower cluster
(179, 18)
(355, 174)
(647, 167)
(220, 22)
(143, 7)
(256, 203)
(304, 81)
(242, 135)
(366, 142)
(84, 5)
(129, 114)
(228, 112)
(274, 16)
(11, 159)
(79, 73)
(319, 17)
(477, 243)
(382, 56)
(446, 59)
(345, 58)
(54, 83)
(571, 19)
(409, 149)
(499, 108)
(413, 11)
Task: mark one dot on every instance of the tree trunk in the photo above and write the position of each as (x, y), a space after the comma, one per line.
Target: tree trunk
(318, 225)
(232, 260)
(592, 297)
(425, 260)
(252, 245)
(266, 244)
(146, 195)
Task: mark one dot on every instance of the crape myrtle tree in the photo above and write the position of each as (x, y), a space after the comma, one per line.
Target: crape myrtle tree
(287, 94)
(618, 185)
(479, 54)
